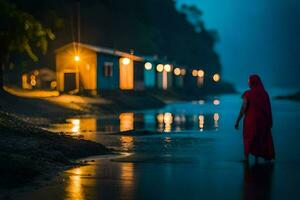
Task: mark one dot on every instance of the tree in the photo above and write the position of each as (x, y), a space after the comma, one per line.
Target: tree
(20, 32)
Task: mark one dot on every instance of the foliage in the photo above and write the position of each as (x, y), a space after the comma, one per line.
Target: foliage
(21, 32)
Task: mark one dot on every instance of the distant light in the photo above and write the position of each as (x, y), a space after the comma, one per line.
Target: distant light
(148, 66)
(195, 72)
(201, 102)
(126, 61)
(36, 72)
(168, 118)
(160, 68)
(77, 58)
(200, 73)
(201, 122)
(167, 68)
(75, 121)
(216, 102)
(33, 82)
(53, 84)
(183, 72)
(216, 116)
(216, 77)
(32, 77)
(177, 71)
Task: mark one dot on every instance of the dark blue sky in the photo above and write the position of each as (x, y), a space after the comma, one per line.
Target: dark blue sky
(257, 36)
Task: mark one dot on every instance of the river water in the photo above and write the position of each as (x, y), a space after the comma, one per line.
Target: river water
(189, 151)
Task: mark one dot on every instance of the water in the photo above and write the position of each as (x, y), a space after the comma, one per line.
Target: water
(192, 153)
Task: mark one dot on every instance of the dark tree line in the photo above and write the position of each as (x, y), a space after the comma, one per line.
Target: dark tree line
(150, 27)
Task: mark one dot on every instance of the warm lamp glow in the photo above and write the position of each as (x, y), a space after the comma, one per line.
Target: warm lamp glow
(216, 102)
(148, 66)
(177, 71)
(126, 74)
(195, 72)
(125, 61)
(167, 68)
(200, 73)
(159, 67)
(183, 72)
(77, 58)
(33, 82)
(216, 77)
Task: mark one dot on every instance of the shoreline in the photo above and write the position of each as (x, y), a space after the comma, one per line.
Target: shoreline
(29, 153)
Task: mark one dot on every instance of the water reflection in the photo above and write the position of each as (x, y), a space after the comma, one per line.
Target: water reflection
(161, 122)
(216, 120)
(127, 180)
(127, 142)
(258, 181)
(74, 189)
(126, 121)
(79, 126)
(201, 122)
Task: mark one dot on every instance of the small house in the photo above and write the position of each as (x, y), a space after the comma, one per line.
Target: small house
(86, 67)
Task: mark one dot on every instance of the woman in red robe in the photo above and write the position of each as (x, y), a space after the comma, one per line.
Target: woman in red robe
(258, 121)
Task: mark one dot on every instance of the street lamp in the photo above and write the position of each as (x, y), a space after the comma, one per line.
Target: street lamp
(76, 58)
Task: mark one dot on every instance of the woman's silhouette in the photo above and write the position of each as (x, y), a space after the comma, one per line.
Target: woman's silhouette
(258, 121)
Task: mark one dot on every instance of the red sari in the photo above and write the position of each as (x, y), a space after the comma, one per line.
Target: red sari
(258, 122)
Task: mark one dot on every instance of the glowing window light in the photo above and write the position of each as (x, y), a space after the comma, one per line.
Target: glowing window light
(216, 77)
(76, 58)
(126, 74)
(177, 71)
(216, 102)
(200, 73)
(183, 72)
(125, 61)
(167, 68)
(195, 72)
(33, 82)
(160, 68)
(53, 84)
(148, 66)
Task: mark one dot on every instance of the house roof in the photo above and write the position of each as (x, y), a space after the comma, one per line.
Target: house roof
(102, 50)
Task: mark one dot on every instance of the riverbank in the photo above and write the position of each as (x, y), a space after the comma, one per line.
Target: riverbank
(293, 97)
(28, 152)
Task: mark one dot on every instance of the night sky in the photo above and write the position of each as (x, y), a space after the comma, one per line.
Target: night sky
(257, 36)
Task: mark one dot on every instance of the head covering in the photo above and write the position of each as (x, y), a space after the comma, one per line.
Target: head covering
(255, 82)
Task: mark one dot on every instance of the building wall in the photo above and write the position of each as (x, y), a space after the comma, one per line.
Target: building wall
(107, 82)
(149, 76)
(139, 75)
(85, 67)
